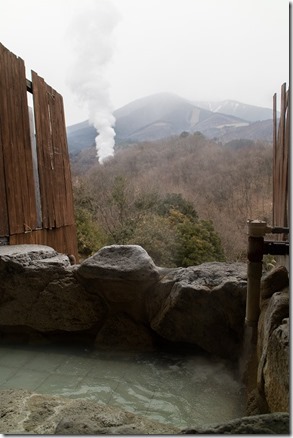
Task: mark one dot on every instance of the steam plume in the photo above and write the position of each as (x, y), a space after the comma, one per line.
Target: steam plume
(92, 36)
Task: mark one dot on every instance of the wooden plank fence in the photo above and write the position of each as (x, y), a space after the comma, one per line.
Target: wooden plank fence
(281, 144)
(17, 198)
(19, 184)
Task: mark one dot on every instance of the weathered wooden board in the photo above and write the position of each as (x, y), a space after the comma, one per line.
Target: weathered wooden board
(15, 153)
(4, 226)
(54, 166)
(281, 161)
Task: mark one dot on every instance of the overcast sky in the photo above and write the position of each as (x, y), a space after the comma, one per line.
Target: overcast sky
(198, 49)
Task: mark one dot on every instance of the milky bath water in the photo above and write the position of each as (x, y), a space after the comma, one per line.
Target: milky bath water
(180, 389)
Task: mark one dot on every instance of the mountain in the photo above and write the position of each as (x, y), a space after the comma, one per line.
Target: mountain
(250, 113)
(157, 116)
(262, 130)
(165, 114)
(80, 136)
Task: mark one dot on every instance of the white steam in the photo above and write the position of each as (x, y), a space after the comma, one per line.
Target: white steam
(91, 34)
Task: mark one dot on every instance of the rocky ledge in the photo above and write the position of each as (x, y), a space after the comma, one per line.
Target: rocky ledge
(25, 412)
(119, 297)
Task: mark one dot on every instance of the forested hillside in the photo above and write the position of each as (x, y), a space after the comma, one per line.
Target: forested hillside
(185, 199)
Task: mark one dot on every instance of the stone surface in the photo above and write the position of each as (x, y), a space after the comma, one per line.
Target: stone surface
(25, 412)
(38, 290)
(121, 332)
(273, 311)
(130, 263)
(276, 369)
(122, 276)
(274, 281)
(19, 257)
(275, 424)
(256, 403)
(122, 297)
(64, 305)
(205, 306)
(270, 391)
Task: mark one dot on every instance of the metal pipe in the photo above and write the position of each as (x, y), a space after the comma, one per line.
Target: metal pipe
(280, 230)
(276, 248)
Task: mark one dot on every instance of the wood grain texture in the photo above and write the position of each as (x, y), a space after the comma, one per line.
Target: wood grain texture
(18, 201)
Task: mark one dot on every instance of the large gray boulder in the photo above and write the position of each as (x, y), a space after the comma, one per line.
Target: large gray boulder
(205, 306)
(64, 305)
(276, 369)
(273, 351)
(202, 305)
(22, 256)
(120, 262)
(269, 376)
(119, 272)
(274, 281)
(122, 276)
(273, 311)
(39, 290)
